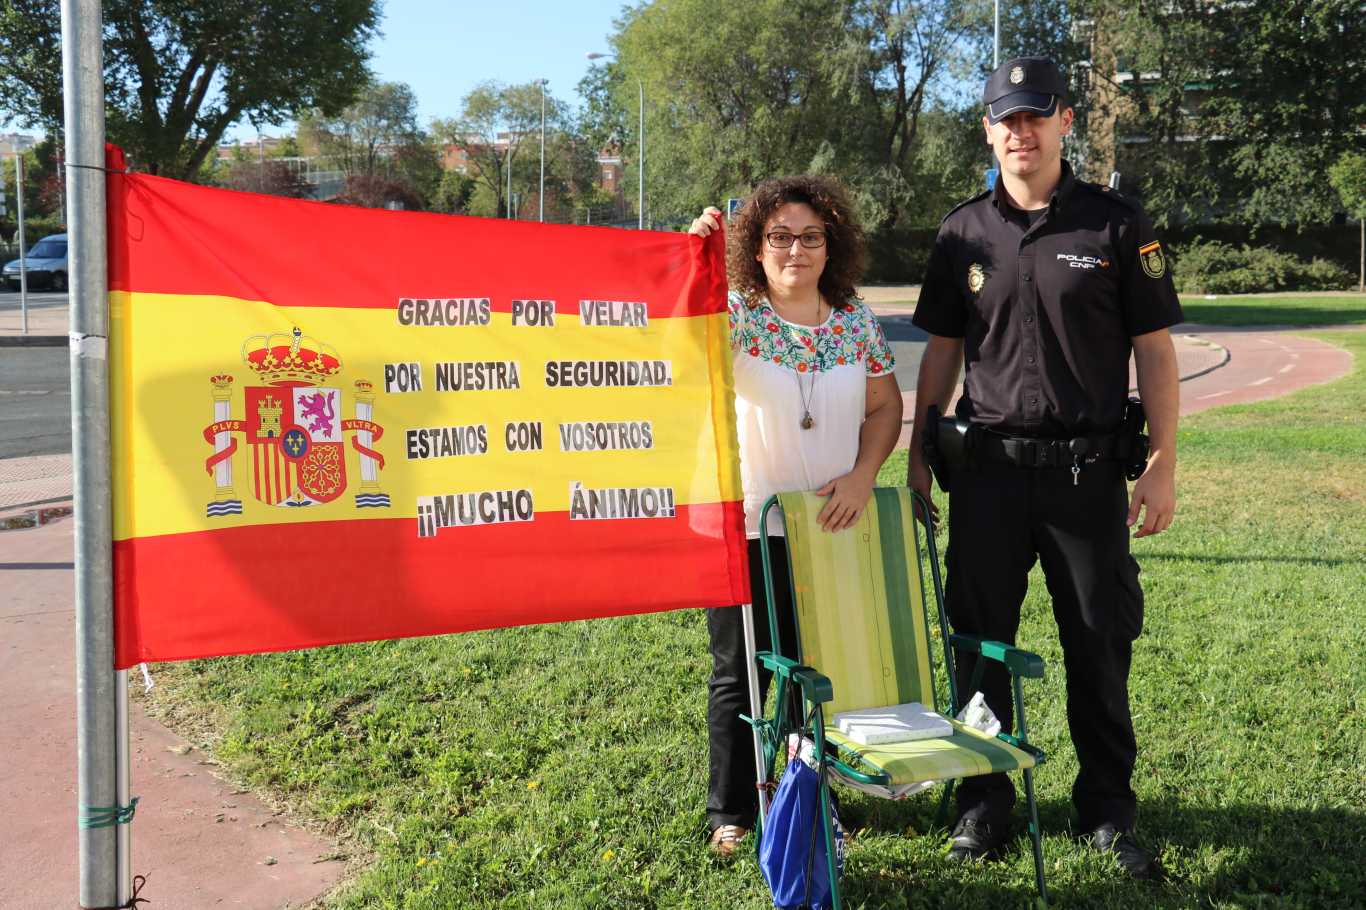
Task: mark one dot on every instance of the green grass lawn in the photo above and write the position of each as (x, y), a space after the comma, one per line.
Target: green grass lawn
(1288, 309)
(1277, 310)
(564, 766)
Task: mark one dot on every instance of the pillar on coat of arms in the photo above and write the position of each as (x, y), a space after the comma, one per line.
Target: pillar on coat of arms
(225, 501)
(369, 494)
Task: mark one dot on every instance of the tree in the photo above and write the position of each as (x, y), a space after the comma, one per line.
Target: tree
(44, 201)
(376, 191)
(377, 136)
(453, 193)
(272, 177)
(735, 93)
(1348, 177)
(897, 54)
(495, 124)
(362, 137)
(43, 188)
(1239, 108)
(178, 73)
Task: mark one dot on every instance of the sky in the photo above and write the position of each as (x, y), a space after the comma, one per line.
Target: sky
(443, 49)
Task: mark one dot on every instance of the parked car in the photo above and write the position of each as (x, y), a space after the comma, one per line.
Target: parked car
(46, 261)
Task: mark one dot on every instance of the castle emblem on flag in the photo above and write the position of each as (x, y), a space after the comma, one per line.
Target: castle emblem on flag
(294, 429)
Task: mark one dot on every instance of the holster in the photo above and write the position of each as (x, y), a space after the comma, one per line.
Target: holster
(947, 443)
(1133, 444)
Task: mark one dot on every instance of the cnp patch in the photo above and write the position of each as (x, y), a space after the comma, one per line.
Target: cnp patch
(977, 277)
(1153, 262)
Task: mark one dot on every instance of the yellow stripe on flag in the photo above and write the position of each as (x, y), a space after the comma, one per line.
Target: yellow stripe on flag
(167, 348)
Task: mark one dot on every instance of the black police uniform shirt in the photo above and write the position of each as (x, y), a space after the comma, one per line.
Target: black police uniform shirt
(1046, 304)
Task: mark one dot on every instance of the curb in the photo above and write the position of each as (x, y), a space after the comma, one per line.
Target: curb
(33, 341)
(1209, 369)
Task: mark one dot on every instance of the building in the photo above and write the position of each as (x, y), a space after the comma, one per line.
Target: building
(610, 170)
(12, 144)
(250, 149)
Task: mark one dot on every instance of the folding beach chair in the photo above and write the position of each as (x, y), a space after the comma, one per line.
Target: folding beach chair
(864, 637)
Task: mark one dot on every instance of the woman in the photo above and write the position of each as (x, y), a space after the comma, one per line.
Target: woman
(817, 409)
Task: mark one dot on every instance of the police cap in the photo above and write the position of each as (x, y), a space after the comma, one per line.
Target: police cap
(1031, 84)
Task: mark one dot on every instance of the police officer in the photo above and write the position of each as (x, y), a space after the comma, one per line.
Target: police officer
(1041, 287)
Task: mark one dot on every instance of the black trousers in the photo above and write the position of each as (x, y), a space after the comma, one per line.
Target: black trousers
(731, 796)
(1001, 519)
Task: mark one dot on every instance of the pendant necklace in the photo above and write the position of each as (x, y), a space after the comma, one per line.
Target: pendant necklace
(807, 420)
(808, 391)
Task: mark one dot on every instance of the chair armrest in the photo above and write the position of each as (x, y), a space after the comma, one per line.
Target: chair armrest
(1021, 663)
(815, 686)
(1023, 746)
(776, 662)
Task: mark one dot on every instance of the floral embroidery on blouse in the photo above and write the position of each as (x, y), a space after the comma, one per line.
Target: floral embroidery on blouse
(851, 335)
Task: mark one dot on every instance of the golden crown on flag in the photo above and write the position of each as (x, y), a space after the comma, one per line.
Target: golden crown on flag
(281, 359)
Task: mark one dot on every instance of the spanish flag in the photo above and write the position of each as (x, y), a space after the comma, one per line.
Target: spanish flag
(334, 424)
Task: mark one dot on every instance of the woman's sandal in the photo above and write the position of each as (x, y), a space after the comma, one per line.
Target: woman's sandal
(726, 838)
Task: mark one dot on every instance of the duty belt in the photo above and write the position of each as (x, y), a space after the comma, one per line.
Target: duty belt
(954, 444)
(1031, 452)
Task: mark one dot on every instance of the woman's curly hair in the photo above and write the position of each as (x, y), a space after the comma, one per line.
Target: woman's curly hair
(846, 245)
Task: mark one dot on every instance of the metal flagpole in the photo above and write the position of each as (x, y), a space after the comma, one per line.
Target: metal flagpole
(756, 707)
(101, 692)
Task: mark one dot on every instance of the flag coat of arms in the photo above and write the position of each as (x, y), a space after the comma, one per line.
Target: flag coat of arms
(334, 424)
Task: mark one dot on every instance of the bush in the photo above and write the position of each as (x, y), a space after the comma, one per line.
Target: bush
(35, 228)
(1211, 267)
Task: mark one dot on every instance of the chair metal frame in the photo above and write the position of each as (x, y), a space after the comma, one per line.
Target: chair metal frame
(801, 691)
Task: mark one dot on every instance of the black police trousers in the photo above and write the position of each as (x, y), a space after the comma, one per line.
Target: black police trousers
(731, 795)
(1001, 519)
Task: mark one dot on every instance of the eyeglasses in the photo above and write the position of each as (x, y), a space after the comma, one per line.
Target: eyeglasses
(782, 240)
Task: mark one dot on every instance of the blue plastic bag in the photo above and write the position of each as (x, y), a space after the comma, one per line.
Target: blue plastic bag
(792, 847)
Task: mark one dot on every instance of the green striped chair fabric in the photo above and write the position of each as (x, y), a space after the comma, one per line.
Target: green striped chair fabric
(966, 753)
(862, 622)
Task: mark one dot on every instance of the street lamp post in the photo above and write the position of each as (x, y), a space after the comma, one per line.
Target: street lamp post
(23, 255)
(541, 83)
(509, 164)
(640, 204)
(996, 56)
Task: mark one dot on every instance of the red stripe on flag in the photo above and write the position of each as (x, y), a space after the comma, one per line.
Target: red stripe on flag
(269, 248)
(282, 587)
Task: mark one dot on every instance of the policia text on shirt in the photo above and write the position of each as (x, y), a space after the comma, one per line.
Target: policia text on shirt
(1040, 288)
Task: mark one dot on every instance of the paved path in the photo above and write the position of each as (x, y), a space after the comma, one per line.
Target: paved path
(1262, 364)
(47, 315)
(202, 842)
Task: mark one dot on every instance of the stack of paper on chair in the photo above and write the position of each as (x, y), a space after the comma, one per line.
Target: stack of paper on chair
(892, 724)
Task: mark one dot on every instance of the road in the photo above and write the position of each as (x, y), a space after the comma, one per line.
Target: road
(35, 401)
